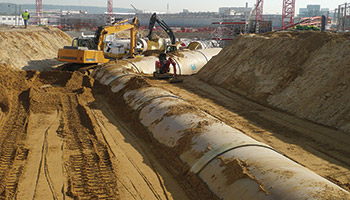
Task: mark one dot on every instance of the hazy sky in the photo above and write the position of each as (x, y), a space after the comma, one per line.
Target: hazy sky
(270, 6)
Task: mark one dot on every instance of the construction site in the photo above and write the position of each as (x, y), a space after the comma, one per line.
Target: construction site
(126, 112)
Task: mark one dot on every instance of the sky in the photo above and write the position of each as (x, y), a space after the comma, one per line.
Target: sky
(270, 6)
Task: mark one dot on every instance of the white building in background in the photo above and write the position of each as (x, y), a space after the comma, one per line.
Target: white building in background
(11, 20)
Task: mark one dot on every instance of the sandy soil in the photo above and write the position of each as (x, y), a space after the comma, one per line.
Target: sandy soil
(32, 48)
(64, 136)
(60, 139)
(306, 74)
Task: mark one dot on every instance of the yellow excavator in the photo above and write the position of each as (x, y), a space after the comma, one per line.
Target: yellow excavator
(95, 50)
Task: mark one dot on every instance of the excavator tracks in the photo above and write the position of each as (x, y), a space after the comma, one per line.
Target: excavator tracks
(88, 165)
(12, 151)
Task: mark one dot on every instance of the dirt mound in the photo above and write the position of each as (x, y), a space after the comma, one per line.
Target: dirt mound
(31, 48)
(304, 73)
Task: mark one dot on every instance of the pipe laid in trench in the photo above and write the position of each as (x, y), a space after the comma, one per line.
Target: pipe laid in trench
(233, 165)
(187, 62)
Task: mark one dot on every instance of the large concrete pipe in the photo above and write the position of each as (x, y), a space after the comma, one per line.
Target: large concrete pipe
(233, 165)
(187, 62)
(202, 44)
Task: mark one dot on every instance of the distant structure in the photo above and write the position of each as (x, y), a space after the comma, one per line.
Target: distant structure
(110, 8)
(39, 11)
(259, 10)
(185, 20)
(11, 20)
(235, 10)
(312, 11)
(288, 12)
(110, 12)
(342, 17)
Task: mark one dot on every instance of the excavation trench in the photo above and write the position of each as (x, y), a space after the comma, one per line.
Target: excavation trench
(228, 161)
(66, 136)
(61, 139)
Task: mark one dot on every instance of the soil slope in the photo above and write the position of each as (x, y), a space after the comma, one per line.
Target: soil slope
(306, 74)
(32, 48)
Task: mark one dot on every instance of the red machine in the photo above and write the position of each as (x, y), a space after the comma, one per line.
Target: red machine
(163, 68)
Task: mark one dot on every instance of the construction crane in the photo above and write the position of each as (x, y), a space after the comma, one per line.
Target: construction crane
(110, 8)
(258, 12)
(259, 8)
(136, 10)
(288, 13)
(39, 10)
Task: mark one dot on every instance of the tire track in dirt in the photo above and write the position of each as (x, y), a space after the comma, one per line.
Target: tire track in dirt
(42, 176)
(89, 169)
(47, 115)
(44, 164)
(55, 145)
(12, 150)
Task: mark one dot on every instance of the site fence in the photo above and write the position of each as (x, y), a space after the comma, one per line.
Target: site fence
(342, 17)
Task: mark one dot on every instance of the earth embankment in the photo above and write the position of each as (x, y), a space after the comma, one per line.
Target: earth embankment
(34, 48)
(306, 74)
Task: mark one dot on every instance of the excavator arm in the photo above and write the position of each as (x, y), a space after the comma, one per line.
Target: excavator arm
(165, 27)
(95, 52)
(127, 24)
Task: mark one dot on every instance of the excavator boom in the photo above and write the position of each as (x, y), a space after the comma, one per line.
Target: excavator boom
(131, 24)
(165, 27)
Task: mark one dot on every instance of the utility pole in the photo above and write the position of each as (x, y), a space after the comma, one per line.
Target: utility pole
(338, 19)
(16, 24)
(344, 21)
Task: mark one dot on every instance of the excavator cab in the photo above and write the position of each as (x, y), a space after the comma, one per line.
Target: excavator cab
(171, 48)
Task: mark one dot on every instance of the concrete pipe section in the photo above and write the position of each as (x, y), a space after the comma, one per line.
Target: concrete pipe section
(187, 62)
(233, 165)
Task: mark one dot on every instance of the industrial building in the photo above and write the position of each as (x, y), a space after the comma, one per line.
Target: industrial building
(312, 11)
(11, 20)
(183, 19)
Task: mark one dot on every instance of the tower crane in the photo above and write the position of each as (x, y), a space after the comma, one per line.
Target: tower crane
(288, 12)
(39, 10)
(259, 8)
(110, 8)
